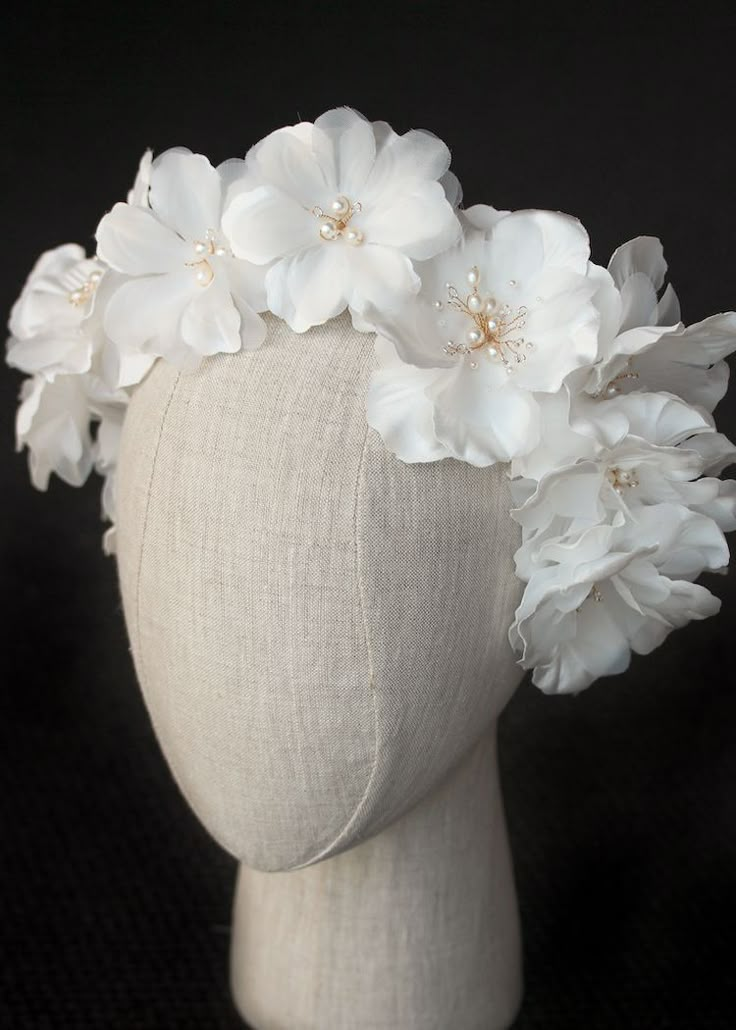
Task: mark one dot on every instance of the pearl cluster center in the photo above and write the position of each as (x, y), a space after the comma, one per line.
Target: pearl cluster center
(621, 479)
(84, 291)
(334, 224)
(495, 328)
(205, 249)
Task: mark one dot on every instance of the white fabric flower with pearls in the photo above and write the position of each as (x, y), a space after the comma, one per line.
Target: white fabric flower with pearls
(643, 343)
(186, 296)
(596, 596)
(341, 209)
(70, 410)
(500, 318)
(49, 325)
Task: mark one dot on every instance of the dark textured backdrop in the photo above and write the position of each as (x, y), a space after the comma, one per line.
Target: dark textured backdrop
(115, 904)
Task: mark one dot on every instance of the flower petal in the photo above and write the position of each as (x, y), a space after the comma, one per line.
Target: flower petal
(285, 161)
(398, 407)
(143, 314)
(308, 288)
(53, 423)
(186, 193)
(265, 224)
(402, 160)
(641, 255)
(479, 424)
(66, 352)
(344, 145)
(421, 222)
(210, 322)
(379, 277)
(134, 241)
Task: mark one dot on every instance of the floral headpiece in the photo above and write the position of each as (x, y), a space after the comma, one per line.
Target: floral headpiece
(497, 340)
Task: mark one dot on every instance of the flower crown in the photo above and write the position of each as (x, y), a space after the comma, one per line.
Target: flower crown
(497, 340)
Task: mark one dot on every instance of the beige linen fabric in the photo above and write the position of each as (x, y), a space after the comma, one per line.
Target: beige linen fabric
(415, 929)
(319, 631)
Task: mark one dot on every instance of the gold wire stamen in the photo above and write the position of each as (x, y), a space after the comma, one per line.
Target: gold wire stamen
(612, 390)
(208, 247)
(335, 223)
(495, 328)
(593, 593)
(621, 479)
(84, 292)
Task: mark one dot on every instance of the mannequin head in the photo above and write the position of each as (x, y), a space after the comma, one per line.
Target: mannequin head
(319, 629)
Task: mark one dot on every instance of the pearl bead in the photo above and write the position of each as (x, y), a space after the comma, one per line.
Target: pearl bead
(75, 297)
(438, 305)
(202, 275)
(473, 364)
(611, 391)
(328, 231)
(474, 303)
(624, 476)
(474, 336)
(493, 352)
(220, 252)
(200, 248)
(473, 276)
(95, 277)
(340, 206)
(512, 282)
(491, 305)
(492, 325)
(353, 236)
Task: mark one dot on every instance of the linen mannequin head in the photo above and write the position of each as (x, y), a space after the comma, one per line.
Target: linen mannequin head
(319, 629)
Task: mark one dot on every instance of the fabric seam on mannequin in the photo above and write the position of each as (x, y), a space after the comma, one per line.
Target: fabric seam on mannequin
(149, 493)
(328, 850)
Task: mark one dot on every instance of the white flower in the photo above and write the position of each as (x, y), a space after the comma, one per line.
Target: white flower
(644, 346)
(640, 454)
(53, 423)
(501, 318)
(186, 295)
(612, 589)
(58, 338)
(342, 207)
(49, 332)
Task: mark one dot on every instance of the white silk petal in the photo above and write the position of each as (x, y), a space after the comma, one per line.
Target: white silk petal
(479, 424)
(133, 240)
(143, 314)
(421, 222)
(644, 255)
(186, 193)
(64, 353)
(284, 160)
(399, 410)
(308, 288)
(210, 322)
(402, 160)
(379, 277)
(344, 144)
(53, 423)
(265, 224)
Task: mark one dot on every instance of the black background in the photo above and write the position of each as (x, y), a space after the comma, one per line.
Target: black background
(115, 904)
